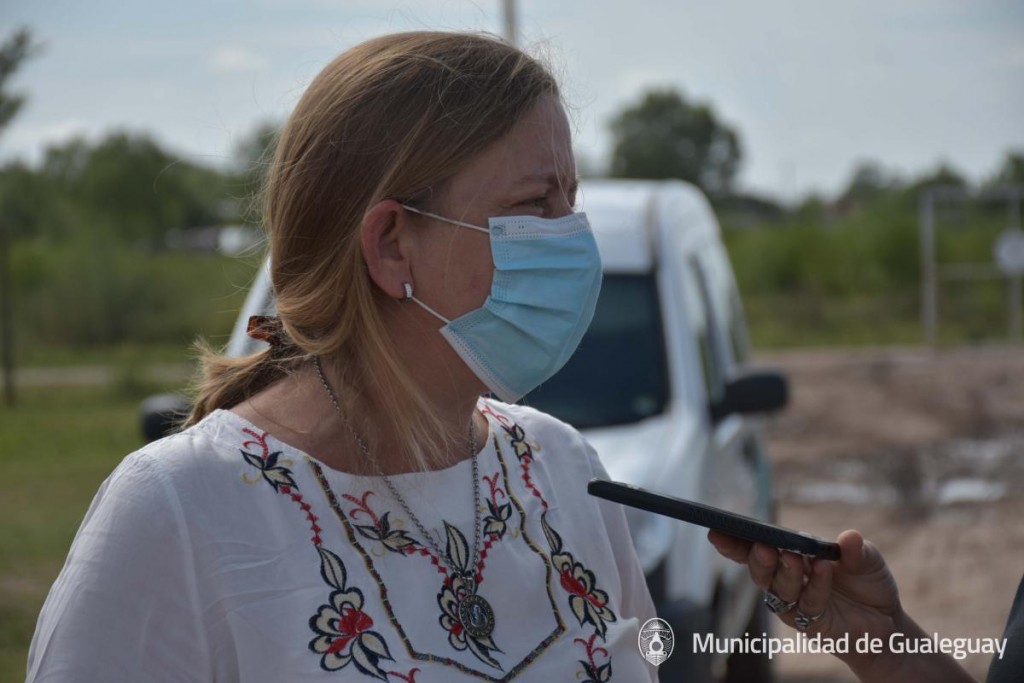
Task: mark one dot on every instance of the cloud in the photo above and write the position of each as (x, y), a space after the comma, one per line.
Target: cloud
(233, 59)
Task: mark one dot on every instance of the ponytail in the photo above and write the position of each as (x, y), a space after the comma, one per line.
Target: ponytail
(225, 381)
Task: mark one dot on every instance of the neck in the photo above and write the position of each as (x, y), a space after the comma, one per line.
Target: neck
(363, 412)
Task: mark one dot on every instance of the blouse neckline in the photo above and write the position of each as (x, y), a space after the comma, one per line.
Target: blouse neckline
(486, 448)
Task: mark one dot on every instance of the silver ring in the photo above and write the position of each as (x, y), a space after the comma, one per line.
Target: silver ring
(776, 604)
(804, 621)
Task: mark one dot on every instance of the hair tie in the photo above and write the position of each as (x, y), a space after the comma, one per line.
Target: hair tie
(266, 328)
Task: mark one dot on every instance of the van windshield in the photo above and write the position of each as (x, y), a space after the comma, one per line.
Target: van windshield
(618, 375)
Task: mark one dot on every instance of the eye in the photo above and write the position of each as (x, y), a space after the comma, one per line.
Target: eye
(537, 203)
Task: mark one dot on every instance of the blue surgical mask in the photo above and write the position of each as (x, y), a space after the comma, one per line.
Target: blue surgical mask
(547, 276)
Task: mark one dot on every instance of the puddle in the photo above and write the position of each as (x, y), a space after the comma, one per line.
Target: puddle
(854, 494)
(954, 472)
(969, 491)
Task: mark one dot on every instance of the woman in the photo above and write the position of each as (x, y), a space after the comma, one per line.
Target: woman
(345, 505)
(857, 596)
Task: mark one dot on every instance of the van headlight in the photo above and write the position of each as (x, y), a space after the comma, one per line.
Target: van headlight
(652, 536)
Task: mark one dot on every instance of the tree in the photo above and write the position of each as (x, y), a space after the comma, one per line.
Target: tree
(665, 136)
(869, 182)
(1012, 170)
(13, 52)
(943, 176)
(128, 188)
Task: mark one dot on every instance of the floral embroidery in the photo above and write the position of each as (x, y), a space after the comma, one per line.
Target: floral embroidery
(456, 589)
(344, 634)
(267, 463)
(523, 449)
(394, 540)
(587, 601)
(594, 672)
(496, 521)
(343, 628)
(278, 476)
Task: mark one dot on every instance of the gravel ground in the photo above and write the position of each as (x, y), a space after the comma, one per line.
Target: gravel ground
(922, 451)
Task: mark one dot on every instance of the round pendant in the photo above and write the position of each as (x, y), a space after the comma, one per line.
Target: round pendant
(476, 616)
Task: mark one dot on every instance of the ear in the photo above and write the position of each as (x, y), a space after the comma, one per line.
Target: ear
(384, 240)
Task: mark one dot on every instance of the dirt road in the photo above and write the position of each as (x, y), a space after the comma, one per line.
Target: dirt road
(923, 452)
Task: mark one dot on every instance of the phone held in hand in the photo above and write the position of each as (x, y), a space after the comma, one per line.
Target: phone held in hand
(727, 522)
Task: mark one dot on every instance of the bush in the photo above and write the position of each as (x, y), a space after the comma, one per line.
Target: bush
(855, 278)
(88, 294)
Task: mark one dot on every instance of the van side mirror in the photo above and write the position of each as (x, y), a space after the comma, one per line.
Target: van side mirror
(756, 392)
(163, 414)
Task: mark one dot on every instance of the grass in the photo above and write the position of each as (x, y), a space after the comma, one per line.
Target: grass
(58, 445)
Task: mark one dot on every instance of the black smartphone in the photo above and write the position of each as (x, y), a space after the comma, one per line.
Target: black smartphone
(730, 523)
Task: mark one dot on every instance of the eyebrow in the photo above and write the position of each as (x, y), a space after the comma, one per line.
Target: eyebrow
(550, 180)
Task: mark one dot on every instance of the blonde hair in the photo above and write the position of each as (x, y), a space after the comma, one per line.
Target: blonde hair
(392, 118)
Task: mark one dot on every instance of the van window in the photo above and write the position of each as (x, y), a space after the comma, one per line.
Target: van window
(619, 374)
(699, 312)
(726, 305)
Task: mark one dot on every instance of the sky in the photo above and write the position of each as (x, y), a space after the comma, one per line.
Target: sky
(812, 87)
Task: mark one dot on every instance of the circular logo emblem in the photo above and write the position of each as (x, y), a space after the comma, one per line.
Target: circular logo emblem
(656, 640)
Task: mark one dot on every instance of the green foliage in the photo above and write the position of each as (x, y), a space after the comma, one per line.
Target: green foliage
(1012, 170)
(89, 293)
(665, 136)
(124, 188)
(850, 273)
(13, 52)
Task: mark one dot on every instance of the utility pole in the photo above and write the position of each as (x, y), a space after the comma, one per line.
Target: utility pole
(511, 31)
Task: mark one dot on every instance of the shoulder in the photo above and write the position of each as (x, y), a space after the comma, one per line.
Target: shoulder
(214, 441)
(182, 467)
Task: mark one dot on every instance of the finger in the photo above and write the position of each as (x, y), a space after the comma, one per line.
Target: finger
(814, 599)
(735, 549)
(763, 562)
(789, 577)
(857, 555)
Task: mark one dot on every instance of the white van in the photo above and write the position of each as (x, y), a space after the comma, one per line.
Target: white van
(660, 389)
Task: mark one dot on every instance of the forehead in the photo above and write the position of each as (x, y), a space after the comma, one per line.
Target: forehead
(536, 149)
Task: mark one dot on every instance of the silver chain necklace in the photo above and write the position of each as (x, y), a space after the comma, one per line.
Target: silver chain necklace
(474, 612)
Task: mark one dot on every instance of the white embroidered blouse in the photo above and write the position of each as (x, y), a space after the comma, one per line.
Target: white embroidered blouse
(223, 554)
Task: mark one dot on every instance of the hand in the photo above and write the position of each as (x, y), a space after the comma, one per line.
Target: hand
(855, 595)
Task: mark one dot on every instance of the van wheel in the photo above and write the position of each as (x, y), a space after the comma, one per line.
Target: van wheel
(750, 667)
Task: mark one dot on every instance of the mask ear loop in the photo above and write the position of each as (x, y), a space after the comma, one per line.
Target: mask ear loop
(461, 224)
(407, 286)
